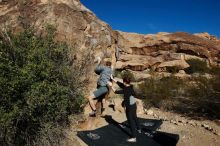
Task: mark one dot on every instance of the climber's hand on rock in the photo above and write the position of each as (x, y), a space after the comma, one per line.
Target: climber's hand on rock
(97, 60)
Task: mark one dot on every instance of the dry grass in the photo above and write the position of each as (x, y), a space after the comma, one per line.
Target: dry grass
(195, 97)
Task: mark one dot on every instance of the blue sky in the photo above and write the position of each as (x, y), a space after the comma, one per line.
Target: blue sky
(152, 16)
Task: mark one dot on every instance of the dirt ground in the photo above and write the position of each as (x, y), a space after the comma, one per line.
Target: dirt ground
(191, 132)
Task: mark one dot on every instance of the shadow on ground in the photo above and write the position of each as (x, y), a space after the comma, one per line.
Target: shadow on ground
(115, 134)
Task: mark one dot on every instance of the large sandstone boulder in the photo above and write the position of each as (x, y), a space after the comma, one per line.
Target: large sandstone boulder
(206, 35)
(74, 22)
(126, 40)
(165, 50)
(137, 62)
(181, 64)
(79, 26)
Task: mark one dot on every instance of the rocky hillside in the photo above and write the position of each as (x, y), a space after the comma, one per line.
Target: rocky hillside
(79, 26)
(74, 22)
(158, 51)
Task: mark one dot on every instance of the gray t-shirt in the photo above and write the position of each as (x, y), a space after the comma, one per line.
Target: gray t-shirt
(105, 74)
(132, 100)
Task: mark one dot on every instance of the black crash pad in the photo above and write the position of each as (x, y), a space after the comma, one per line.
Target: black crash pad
(111, 135)
(115, 134)
(147, 124)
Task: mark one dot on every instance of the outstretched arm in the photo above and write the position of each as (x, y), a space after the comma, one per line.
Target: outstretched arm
(120, 84)
(98, 68)
(114, 90)
(97, 60)
(117, 91)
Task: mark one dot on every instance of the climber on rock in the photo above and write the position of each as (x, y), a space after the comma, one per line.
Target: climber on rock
(104, 72)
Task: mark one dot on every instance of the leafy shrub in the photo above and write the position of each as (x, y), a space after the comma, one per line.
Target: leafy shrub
(173, 69)
(51, 134)
(127, 74)
(38, 85)
(155, 91)
(197, 96)
(205, 96)
(214, 70)
(117, 73)
(197, 66)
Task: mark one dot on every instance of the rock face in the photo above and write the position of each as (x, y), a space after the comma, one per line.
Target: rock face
(74, 22)
(166, 50)
(79, 26)
(139, 53)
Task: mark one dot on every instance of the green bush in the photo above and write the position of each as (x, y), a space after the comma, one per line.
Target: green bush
(127, 74)
(205, 96)
(155, 91)
(196, 96)
(117, 73)
(197, 66)
(214, 70)
(173, 69)
(37, 84)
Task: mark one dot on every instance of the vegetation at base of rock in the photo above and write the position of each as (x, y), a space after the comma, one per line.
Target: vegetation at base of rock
(125, 73)
(201, 66)
(154, 91)
(173, 69)
(204, 96)
(197, 66)
(39, 87)
(214, 70)
(196, 96)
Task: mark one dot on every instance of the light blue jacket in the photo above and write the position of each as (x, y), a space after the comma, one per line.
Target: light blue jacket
(104, 73)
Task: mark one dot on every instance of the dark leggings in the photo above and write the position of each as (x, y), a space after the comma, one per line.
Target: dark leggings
(132, 119)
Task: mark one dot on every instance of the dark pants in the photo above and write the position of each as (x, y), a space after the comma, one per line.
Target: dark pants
(132, 119)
